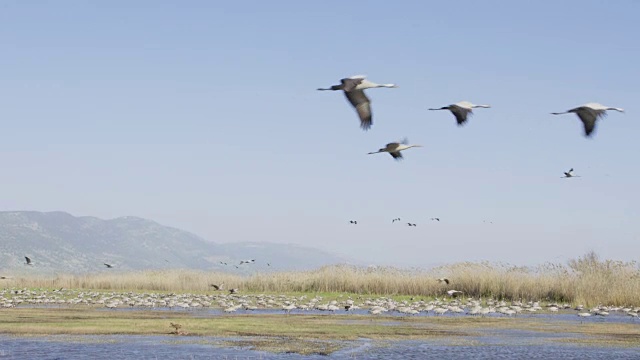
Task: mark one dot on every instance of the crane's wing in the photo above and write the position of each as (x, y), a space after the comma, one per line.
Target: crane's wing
(392, 146)
(396, 155)
(588, 117)
(362, 104)
(349, 84)
(460, 113)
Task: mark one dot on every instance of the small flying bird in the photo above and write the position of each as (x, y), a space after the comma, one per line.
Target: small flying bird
(223, 263)
(411, 224)
(444, 280)
(4, 277)
(588, 114)
(233, 291)
(435, 219)
(109, 266)
(394, 220)
(217, 287)
(485, 221)
(454, 293)
(247, 261)
(353, 88)
(462, 110)
(237, 267)
(569, 174)
(268, 264)
(394, 148)
(28, 261)
(354, 222)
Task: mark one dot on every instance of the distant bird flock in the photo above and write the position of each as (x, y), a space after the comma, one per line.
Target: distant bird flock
(453, 304)
(30, 262)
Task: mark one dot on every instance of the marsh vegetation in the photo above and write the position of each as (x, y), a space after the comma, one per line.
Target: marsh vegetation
(586, 280)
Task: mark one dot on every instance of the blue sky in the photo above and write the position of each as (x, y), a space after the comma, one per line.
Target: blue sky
(204, 116)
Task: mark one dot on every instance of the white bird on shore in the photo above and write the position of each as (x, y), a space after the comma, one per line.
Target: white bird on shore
(589, 113)
(353, 88)
(440, 311)
(395, 148)
(461, 110)
(288, 308)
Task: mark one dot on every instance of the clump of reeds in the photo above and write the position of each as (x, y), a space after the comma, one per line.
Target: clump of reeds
(587, 280)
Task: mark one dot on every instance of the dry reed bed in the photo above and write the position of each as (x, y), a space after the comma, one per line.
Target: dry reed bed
(586, 280)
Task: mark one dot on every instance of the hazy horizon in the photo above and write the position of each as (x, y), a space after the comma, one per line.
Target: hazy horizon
(205, 117)
(432, 262)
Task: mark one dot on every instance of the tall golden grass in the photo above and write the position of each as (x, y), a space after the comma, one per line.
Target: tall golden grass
(586, 280)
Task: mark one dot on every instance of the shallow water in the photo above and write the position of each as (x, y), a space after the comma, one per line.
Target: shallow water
(567, 315)
(508, 344)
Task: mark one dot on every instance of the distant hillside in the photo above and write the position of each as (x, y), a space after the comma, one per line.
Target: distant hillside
(60, 242)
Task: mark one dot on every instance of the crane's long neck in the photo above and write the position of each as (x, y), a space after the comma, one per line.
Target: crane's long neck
(482, 106)
(616, 109)
(387, 85)
(333, 87)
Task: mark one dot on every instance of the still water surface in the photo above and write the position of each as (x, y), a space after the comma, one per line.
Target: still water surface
(511, 344)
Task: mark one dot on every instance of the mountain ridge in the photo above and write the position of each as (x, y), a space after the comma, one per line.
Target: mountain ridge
(60, 242)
